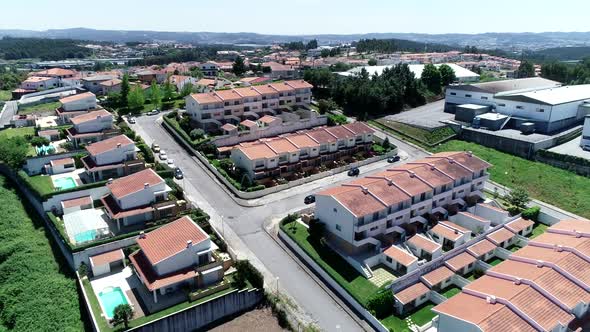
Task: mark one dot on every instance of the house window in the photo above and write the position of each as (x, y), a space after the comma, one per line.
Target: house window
(519, 107)
(335, 210)
(338, 228)
(468, 96)
(388, 259)
(484, 98)
(501, 105)
(541, 110)
(374, 228)
(453, 93)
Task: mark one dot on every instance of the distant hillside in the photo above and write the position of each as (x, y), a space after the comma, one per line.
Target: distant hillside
(45, 49)
(560, 54)
(395, 45)
(506, 41)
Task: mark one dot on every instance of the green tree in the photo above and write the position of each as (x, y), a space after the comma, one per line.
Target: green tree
(518, 198)
(187, 89)
(13, 151)
(122, 315)
(372, 62)
(311, 44)
(447, 75)
(239, 67)
(136, 98)
(125, 88)
(431, 78)
(526, 69)
(156, 95)
(326, 105)
(168, 90)
(556, 71)
(197, 133)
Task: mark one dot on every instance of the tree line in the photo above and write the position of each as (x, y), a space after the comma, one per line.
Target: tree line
(45, 49)
(567, 73)
(397, 45)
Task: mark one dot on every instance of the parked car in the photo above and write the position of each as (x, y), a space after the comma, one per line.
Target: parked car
(393, 159)
(309, 199)
(132, 120)
(163, 155)
(178, 174)
(155, 147)
(170, 161)
(153, 112)
(355, 171)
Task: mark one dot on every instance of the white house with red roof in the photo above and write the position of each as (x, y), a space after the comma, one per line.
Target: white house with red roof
(90, 127)
(75, 105)
(111, 158)
(132, 198)
(176, 254)
(39, 83)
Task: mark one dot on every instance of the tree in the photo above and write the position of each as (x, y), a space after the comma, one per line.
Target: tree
(556, 71)
(187, 89)
(518, 198)
(526, 69)
(122, 315)
(325, 53)
(13, 151)
(372, 62)
(386, 144)
(431, 78)
(239, 68)
(125, 88)
(326, 105)
(447, 75)
(156, 95)
(136, 98)
(39, 141)
(197, 133)
(311, 44)
(168, 90)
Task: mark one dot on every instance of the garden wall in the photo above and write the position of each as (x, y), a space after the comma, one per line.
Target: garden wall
(34, 165)
(55, 201)
(201, 315)
(264, 192)
(374, 322)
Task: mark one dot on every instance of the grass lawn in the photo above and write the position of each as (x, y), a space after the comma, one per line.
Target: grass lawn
(41, 184)
(39, 108)
(104, 326)
(546, 183)
(421, 135)
(451, 291)
(350, 279)
(23, 131)
(514, 248)
(538, 229)
(421, 316)
(495, 261)
(5, 95)
(395, 323)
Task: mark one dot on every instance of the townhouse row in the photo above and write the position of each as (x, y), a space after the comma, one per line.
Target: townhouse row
(212, 110)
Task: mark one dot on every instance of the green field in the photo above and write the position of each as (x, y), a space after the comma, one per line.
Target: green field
(549, 184)
(343, 273)
(39, 108)
(5, 95)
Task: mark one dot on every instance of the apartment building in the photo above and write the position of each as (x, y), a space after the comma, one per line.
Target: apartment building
(274, 157)
(75, 105)
(212, 110)
(91, 127)
(380, 209)
(133, 199)
(179, 81)
(177, 254)
(111, 158)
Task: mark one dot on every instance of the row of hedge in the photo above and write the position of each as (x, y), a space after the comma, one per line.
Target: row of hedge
(170, 119)
(564, 158)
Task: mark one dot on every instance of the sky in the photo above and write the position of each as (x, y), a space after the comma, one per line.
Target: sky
(297, 17)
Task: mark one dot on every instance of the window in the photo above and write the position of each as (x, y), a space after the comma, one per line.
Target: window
(388, 259)
(335, 210)
(541, 110)
(484, 98)
(468, 96)
(519, 107)
(501, 105)
(338, 228)
(374, 228)
(453, 93)
(399, 218)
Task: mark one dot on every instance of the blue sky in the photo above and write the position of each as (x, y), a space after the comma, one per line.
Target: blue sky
(301, 16)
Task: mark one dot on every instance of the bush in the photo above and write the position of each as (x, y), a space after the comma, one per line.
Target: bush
(39, 141)
(83, 269)
(381, 304)
(256, 188)
(316, 229)
(197, 133)
(250, 273)
(531, 213)
(291, 217)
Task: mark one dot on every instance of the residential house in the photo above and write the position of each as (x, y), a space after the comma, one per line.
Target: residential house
(462, 263)
(438, 279)
(279, 71)
(111, 158)
(502, 237)
(49, 134)
(39, 83)
(91, 127)
(424, 248)
(176, 254)
(179, 81)
(449, 234)
(482, 250)
(399, 260)
(209, 68)
(75, 105)
(520, 226)
(93, 83)
(110, 86)
(410, 298)
(63, 165)
(471, 221)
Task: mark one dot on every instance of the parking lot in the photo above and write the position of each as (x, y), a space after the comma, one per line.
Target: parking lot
(427, 116)
(571, 148)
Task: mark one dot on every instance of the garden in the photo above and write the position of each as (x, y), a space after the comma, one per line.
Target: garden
(39, 108)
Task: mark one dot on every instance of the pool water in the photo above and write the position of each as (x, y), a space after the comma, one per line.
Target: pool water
(64, 183)
(89, 235)
(110, 298)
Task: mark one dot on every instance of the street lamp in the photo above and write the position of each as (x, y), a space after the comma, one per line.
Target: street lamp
(277, 286)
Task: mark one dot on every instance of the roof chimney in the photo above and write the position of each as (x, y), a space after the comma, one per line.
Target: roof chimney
(517, 281)
(451, 160)
(110, 180)
(365, 190)
(491, 299)
(189, 243)
(118, 145)
(412, 174)
(559, 248)
(470, 154)
(578, 234)
(145, 185)
(142, 235)
(540, 263)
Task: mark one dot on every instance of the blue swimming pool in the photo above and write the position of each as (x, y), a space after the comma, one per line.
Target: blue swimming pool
(110, 298)
(64, 183)
(87, 236)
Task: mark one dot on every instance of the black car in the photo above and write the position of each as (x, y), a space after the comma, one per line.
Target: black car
(354, 171)
(309, 199)
(393, 159)
(178, 174)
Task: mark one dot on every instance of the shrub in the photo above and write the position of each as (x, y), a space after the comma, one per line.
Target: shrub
(251, 273)
(531, 213)
(291, 217)
(316, 229)
(39, 141)
(83, 269)
(381, 304)
(197, 133)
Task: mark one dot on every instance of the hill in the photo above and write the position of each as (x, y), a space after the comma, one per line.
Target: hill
(45, 49)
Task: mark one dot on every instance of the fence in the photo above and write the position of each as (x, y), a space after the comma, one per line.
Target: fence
(267, 191)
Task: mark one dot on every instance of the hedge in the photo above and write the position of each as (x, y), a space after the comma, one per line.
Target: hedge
(245, 268)
(176, 126)
(564, 158)
(531, 213)
(43, 197)
(381, 303)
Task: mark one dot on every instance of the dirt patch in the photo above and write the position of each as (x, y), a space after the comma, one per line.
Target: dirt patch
(255, 320)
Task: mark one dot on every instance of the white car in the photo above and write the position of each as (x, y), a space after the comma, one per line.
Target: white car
(132, 120)
(163, 155)
(170, 161)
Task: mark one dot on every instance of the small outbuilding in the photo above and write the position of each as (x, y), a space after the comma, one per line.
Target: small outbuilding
(105, 262)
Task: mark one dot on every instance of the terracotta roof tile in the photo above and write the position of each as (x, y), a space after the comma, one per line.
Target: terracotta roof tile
(84, 200)
(61, 162)
(411, 293)
(133, 183)
(424, 243)
(107, 257)
(481, 248)
(400, 256)
(247, 92)
(437, 276)
(500, 236)
(460, 261)
(518, 225)
(108, 144)
(77, 97)
(152, 279)
(299, 84)
(226, 95)
(206, 98)
(90, 116)
(359, 128)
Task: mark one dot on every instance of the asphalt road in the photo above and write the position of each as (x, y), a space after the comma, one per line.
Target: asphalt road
(8, 113)
(243, 226)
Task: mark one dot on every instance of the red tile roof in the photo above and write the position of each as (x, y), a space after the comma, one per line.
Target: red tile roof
(437, 276)
(61, 162)
(115, 212)
(77, 97)
(90, 116)
(424, 243)
(108, 144)
(133, 183)
(518, 225)
(206, 98)
(84, 200)
(412, 293)
(500, 236)
(107, 257)
(359, 128)
(299, 84)
(481, 248)
(460, 261)
(152, 280)
(400, 256)
(170, 239)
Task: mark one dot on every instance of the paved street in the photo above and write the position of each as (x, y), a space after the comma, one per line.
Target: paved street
(9, 111)
(243, 225)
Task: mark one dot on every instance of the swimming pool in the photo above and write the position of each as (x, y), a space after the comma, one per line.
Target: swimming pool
(64, 183)
(86, 236)
(110, 298)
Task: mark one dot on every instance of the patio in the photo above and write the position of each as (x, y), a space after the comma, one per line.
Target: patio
(382, 275)
(122, 278)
